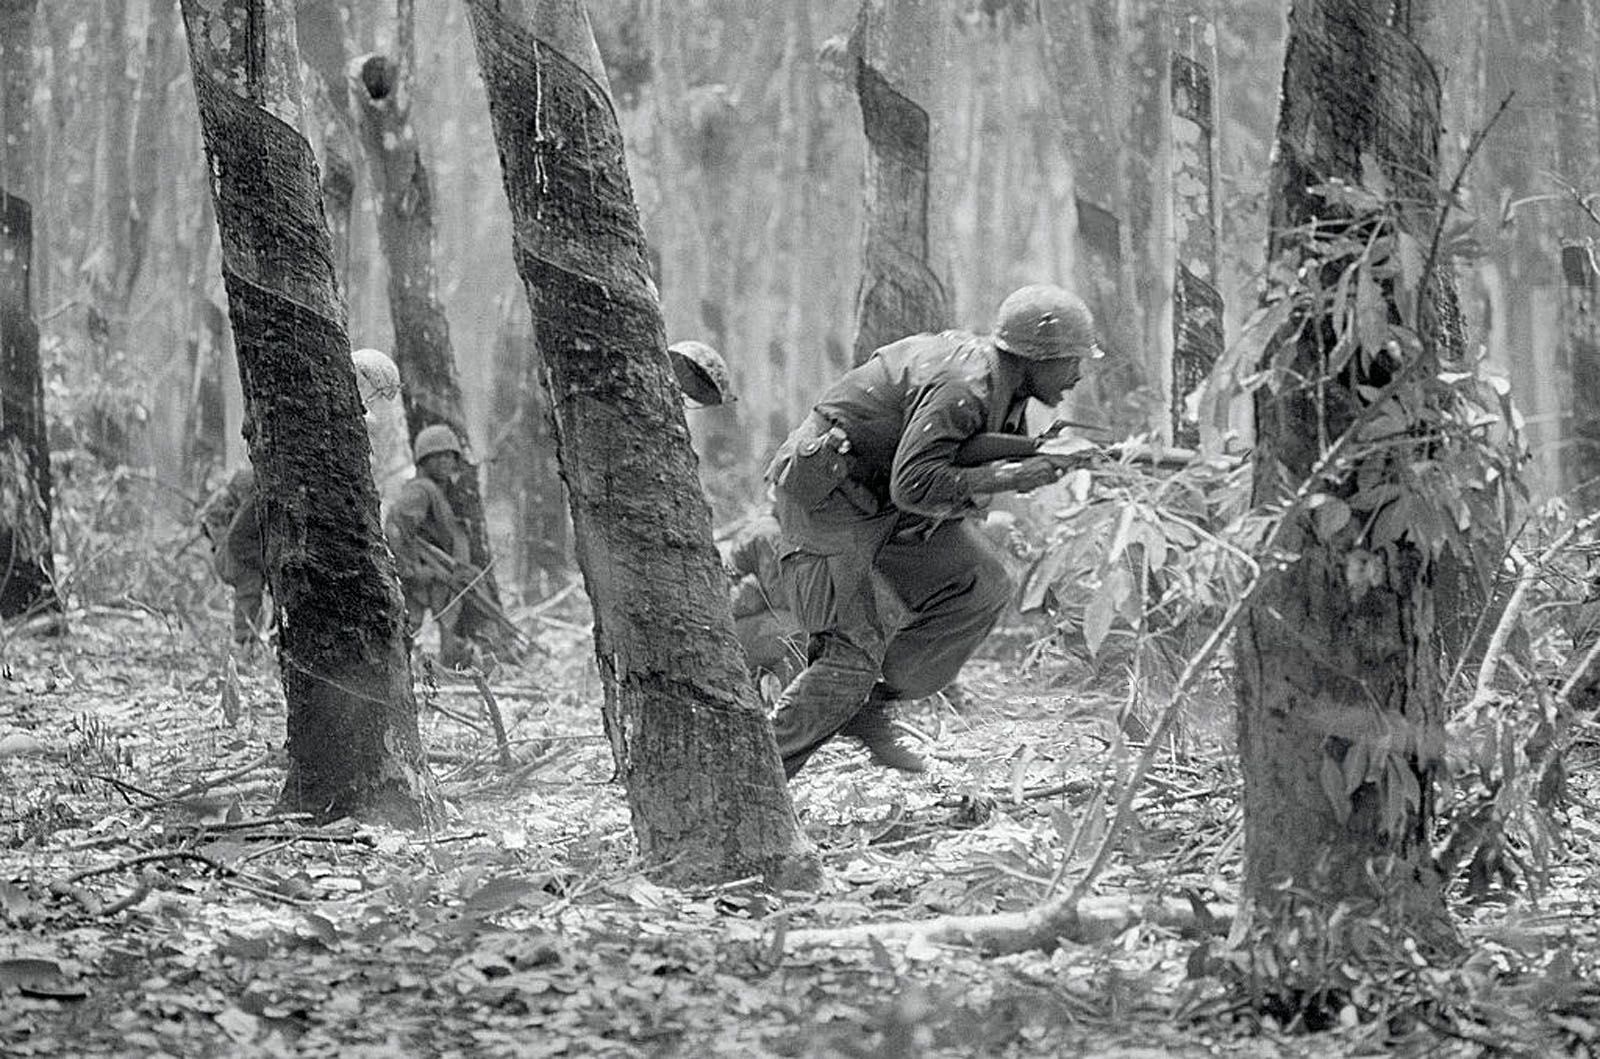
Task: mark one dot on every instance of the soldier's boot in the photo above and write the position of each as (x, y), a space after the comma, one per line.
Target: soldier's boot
(884, 742)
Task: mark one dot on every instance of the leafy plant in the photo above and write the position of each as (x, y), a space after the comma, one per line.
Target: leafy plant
(1143, 552)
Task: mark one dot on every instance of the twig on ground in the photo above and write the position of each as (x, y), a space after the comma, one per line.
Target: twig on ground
(123, 786)
(458, 717)
(245, 825)
(136, 895)
(201, 786)
(495, 719)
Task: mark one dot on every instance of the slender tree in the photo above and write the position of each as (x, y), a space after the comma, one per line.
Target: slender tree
(352, 727)
(27, 565)
(896, 61)
(320, 28)
(1341, 724)
(1197, 337)
(688, 735)
(381, 88)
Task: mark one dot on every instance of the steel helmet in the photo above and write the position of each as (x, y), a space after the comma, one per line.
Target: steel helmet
(376, 375)
(1044, 322)
(434, 440)
(701, 372)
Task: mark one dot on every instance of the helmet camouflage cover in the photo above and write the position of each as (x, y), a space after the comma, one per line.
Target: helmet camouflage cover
(1046, 322)
(433, 440)
(701, 372)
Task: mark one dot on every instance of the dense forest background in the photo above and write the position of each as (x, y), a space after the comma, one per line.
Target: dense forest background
(744, 139)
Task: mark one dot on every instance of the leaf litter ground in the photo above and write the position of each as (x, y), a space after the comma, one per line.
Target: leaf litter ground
(157, 904)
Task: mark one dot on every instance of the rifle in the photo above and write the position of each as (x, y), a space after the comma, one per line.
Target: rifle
(1073, 453)
(467, 582)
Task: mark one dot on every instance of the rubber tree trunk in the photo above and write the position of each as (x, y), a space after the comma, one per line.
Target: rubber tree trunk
(404, 199)
(895, 66)
(352, 726)
(1341, 724)
(688, 735)
(320, 27)
(27, 564)
(1577, 151)
(1197, 337)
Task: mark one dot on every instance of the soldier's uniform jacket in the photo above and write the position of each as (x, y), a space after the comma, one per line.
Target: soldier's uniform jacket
(907, 410)
(230, 522)
(421, 511)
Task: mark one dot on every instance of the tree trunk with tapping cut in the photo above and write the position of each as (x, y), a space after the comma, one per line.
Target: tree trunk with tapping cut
(1340, 711)
(896, 61)
(352, 725)
(689, 737)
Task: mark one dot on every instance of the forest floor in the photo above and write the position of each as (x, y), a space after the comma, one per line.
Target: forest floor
(155, 903)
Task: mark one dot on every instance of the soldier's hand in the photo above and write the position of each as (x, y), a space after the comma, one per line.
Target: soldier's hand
(1033, 472)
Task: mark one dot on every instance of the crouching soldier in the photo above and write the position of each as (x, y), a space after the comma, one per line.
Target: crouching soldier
(763, 621)
(430, 543)
(229, 522)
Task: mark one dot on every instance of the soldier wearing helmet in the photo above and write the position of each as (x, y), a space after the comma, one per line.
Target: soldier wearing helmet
(869, 492)
(430, 543)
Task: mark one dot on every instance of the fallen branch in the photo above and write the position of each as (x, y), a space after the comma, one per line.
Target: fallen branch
(1091, 920)
(493, 708)
(201, 786)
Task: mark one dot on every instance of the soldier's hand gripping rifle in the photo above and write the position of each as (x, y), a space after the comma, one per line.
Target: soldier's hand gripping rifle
(1070, 454)
(466, 581)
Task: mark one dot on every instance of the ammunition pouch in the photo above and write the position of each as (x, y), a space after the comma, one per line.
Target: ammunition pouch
(813, 468)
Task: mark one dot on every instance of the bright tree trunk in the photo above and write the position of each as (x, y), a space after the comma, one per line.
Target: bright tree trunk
(352, 727)
(1332, 670)
(27, 565)
(689, 738)
(895, 73)
(422, 352)
(1197, 337)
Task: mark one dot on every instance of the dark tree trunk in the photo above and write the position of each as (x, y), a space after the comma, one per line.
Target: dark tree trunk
(688, 735)
(1341, 724)
(353, 744)
(320, 25)
(422, 352)
(900, 293)
(27, 565)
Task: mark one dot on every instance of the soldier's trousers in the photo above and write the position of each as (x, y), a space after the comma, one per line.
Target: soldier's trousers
(838, 563)
(249, 587)
(423, 595)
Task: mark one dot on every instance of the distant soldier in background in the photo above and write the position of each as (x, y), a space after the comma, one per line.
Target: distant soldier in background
(430, 543)
(229, 522)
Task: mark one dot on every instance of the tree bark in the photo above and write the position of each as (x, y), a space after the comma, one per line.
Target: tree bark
(320, 26)
(422, 352)
(688, 735)
(352, 726)
(1577, 150)
(898, 57)
(27, 563)
(1197, 337)
(1341, 723)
